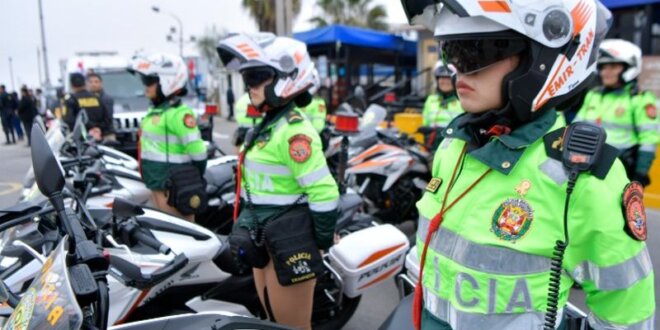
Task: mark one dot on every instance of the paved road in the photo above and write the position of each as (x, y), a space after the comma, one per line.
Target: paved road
(376, 304)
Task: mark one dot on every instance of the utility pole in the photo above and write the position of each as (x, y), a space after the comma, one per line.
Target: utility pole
(156, 9)
(279, 18)
(288, 17)
(39, 65)
(43, 45)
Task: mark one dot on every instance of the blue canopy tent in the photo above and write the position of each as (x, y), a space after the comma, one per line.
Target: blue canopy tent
(615, 4)
(354, 52)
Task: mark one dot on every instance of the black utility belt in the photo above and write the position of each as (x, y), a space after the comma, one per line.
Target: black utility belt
(288, 239)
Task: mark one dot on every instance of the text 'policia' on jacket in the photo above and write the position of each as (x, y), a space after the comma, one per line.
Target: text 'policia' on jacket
(488, 265)
(97, 114)
(277, 174)
(629, 117)
(169, 137)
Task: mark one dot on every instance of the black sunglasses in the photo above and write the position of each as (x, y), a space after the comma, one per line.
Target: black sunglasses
(149, 80)
(255, 77)
(472, 55)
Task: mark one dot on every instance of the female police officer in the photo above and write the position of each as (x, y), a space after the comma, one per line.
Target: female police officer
(627, 114)
(440, 107)
(282, 176)
(170, 138)
(493, 239)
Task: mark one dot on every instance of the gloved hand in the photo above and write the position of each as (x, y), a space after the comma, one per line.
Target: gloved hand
(642, 178)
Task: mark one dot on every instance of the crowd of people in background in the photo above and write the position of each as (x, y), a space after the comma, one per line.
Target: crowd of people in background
(18, 112)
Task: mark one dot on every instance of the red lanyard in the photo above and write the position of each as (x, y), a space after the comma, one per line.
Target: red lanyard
(239, 179)
(433, 227)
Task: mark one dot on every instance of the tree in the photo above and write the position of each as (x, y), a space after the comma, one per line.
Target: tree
(263, 11)
(351, 12)
(207, 45)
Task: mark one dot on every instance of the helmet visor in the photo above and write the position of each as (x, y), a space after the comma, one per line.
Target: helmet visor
(254, 77)
(149, 80)
(472, 55)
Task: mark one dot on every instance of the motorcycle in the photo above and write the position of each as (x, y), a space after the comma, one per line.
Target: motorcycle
(200, 280)
(391, 177)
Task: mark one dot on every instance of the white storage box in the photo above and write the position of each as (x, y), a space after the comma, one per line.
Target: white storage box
(369, 256)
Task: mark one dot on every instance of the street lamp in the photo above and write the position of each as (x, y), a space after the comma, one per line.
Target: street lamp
(157, 10)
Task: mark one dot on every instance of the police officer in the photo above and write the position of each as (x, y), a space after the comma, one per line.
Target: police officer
(441, 106)
(245, 119)
(497, 249)
(98, 116)
(316, 110)
(6, 110)
(283, 175)
(627, 114)
(170, 137)
(95, 85)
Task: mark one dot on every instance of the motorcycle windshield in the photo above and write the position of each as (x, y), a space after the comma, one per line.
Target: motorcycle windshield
(49, 303)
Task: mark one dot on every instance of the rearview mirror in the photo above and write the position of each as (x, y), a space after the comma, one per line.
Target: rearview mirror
(48, 171)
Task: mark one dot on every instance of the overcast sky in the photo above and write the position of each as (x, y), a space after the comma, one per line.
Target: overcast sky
(117, 25)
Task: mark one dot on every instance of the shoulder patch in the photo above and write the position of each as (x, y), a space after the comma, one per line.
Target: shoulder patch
(651, 111)
(554, 143)
(634, 212)
(294, 117)
(190, 121)
(300, 148)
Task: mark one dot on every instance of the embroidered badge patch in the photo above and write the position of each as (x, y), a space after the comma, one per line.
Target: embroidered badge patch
(300, 148)
(155, 120)
(634, 212)
(190, 121)
(651, 111)
(620, 111)
(434, 185)
(512, 219)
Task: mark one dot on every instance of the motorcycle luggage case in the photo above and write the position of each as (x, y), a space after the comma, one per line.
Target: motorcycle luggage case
(369, 256)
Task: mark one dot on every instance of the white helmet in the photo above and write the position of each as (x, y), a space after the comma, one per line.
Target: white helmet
(557, 40)
(169, 69)
(443, 70)
(292, 68)
(624, 52)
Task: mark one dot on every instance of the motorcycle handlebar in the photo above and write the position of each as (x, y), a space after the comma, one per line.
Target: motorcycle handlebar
(132, 275)
(139, 236)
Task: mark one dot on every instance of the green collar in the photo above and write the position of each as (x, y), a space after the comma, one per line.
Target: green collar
(502, 153)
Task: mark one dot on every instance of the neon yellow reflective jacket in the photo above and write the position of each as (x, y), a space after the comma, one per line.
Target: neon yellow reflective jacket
(488, 266)
(316, 113)
(439, 110)
(629, 118)
(240, 110)
(286, 165)
(169, 137)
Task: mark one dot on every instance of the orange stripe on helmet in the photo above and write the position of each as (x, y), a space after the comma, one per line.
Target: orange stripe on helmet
(580, 14)
(298, 56)
(495, 6)
(548, 89)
